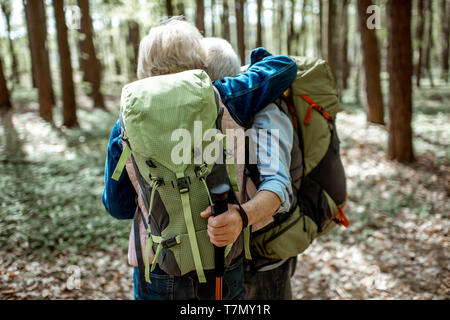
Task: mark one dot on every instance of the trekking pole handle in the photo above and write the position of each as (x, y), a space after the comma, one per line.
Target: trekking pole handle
(219, 196)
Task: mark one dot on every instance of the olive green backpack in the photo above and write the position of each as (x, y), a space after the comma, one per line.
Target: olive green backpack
(156, 113)
(317, 173)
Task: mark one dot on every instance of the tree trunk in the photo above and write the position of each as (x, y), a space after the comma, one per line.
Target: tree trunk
(200, 16)
(240, 28)
(180, 9)
(420, 40)
(280, 26)
(113, 49)
(259, 23)
(371, 61)
(320, 38)
(291, 39)
(169, 8)
(303, 33)
(133, 40)
(356, 67)
(92, 67)
(5, 103)
(40, 28)
(345, 69)
(445, 54)
(332, 38)
(226, 21)
(40, 57)
(400, 71)
(213, 18)
(6, 8)
(30, 43)
(430, 42)
(68, 92)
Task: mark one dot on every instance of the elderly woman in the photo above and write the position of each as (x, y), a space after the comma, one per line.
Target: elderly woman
(174, 47)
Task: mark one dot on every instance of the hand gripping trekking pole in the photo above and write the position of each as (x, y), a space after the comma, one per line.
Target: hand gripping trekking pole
(219, 196)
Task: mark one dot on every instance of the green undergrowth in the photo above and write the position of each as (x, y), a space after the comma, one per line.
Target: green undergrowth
(51, 196)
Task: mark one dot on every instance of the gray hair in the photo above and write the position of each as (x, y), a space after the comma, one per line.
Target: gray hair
(221, 60)
(171, 47)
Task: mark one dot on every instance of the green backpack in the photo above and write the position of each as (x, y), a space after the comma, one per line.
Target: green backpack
(317, 173)
(155, 113)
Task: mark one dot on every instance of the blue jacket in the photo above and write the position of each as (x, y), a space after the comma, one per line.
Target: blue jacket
(249, 92)
(244, 96)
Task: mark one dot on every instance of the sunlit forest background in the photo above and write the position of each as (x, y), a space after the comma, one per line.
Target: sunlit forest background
(62, 67)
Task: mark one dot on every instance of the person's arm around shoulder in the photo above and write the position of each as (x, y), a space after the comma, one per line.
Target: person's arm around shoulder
(275, 157)
(266, 79)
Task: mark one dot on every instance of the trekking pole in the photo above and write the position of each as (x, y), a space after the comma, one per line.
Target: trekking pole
(219, 196)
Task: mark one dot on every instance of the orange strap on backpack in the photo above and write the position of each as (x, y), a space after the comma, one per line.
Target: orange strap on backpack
(313, 105)
(341, 219)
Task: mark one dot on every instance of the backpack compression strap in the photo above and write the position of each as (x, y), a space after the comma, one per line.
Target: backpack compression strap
(183, 188)
(313, 105)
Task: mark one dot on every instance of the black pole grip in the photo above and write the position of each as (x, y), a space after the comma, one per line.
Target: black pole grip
(219, 195)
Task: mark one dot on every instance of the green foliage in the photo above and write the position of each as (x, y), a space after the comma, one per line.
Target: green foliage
(53, 203)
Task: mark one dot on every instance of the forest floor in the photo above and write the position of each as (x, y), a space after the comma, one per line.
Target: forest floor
(58, 242)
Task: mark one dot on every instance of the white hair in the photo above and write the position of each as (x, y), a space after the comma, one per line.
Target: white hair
(172, 47)
(221, 60)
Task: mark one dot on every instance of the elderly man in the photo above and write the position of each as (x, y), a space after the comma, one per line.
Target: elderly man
(173, 47)
(273, 280)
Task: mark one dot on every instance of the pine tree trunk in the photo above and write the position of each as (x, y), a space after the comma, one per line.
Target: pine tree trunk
(5, 103)
(280, 26)
(371, 61)
(240, 28)
(180, 9)
(169, 8)
(259, 23)
(92, 67)
(320, 38)
(213, 18)
(40, 57)
(200, 16)
(291, 38)
(430, 42)
(332, 38)
(345, 69)
(303, 33)
(400, 72)
(68, 92)
(445, 24)
(357, 64)
(30, 43)
(133, 40)
(6, 8)
(113, 49)
(420, 39)
(225, 21)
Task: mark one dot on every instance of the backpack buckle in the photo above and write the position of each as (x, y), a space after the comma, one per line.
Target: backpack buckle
(183, 185)
(150, 163)
(169, 243)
